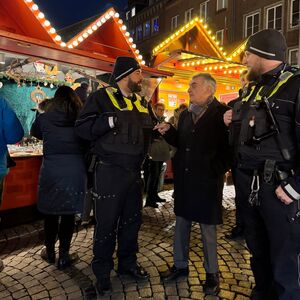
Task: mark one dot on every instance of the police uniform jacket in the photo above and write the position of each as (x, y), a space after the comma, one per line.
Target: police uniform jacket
(123, 143)
(281, 86)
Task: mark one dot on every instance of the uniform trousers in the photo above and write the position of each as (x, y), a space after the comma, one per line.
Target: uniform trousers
(273, 241)
(182, 240)
(118, 214)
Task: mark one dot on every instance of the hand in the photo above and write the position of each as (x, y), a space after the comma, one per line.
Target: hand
(282, 196)
(227, 117)
(162, 128)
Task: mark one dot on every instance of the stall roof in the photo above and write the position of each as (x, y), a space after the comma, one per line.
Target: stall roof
(193, 48)
(103, 34)
(23, 17)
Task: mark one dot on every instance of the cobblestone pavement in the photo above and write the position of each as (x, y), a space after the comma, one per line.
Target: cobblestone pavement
(26, 276)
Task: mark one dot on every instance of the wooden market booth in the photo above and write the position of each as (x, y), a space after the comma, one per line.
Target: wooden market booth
(190, 50)
(27, 35)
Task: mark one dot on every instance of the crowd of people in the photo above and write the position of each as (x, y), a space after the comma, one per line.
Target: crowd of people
(116, 133)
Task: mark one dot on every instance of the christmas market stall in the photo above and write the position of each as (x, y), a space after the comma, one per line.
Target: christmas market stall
(190, 50)
(34, 61)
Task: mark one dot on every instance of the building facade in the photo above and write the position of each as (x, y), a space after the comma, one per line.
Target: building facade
(231, 21)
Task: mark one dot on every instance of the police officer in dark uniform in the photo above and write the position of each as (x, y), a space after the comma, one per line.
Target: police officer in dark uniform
(118, 123)
(268, 173)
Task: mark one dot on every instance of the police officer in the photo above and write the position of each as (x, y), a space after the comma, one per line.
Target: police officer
(117, 122)
(268, 173)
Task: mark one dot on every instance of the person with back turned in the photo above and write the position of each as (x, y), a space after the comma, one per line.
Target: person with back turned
(268, 169)
(118, 124)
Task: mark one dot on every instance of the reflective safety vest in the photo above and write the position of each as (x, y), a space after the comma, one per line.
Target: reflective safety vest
(254, 125)
(132, 129)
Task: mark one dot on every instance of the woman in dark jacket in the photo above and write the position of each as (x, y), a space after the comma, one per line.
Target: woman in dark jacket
(62, 181)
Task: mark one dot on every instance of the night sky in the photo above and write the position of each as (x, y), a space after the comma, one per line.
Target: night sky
(62, 13)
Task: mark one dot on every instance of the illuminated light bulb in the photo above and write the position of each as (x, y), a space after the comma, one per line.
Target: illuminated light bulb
(28, 1)
(205, 26)
(213, 37)
(205, 69)
(85, 35)
(47, 23)
(99, 23)
(221, 48)
(225, 72)
(218, 43)
(198, 62)
(124, 27)
(173, 36)
(63, 44)
(107, 16)
(41, 15)
(58, 38)
(103, 20)
(140, 57)
(182, 30)
(130, 40)
(235, 71)
(196, 19)
(80, 39)
(133, 46)
(193, 63)
(188, 64)
(75, 43)
(35, 7)
(127, 34)
(90, 31)
(241, 71)
(201, 20)
(70, 46)
(137, 51)
(177, 33)
(210, 68)
(143, 62)
(224, 53)
(111, 13)
(229, 71)
(120, 21)
(52, 30)
(221, 67)
(215, 68)
(117, 15)
(186, 26)
(209, 31)
(234, 54)
(183, 65)
(243, 47)
(94, 27)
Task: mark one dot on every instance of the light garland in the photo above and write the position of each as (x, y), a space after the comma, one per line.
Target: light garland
(111, 13)
(181, 31)
(44, 22)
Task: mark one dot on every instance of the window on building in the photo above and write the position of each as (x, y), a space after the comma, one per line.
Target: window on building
(251, 24)
(220, 36)
(293, 56)
(147, 28)
(139, 32)
(188, 15)
(203, 10)
(274, 17)
(174, 22)
(294, 13)
(133, 11)
(127, 15)
(155, 25)
(222, 4)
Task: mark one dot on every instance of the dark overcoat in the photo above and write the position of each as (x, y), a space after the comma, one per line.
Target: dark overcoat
(62, 181)
(201, 160)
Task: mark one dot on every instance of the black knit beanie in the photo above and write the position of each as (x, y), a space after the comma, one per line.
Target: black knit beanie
(267, 43)
(123, 67)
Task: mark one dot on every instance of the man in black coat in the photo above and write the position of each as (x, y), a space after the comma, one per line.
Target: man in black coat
(118, 124)
(200, 163)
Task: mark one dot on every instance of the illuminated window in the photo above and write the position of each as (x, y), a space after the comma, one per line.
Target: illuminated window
(133, 11)
(155, 25)
(147, 28)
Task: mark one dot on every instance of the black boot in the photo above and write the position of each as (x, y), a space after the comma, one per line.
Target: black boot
(236, 233)
(174, 273)
(65, 260)
(48, 255)
(103, 286)
(212, 284)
